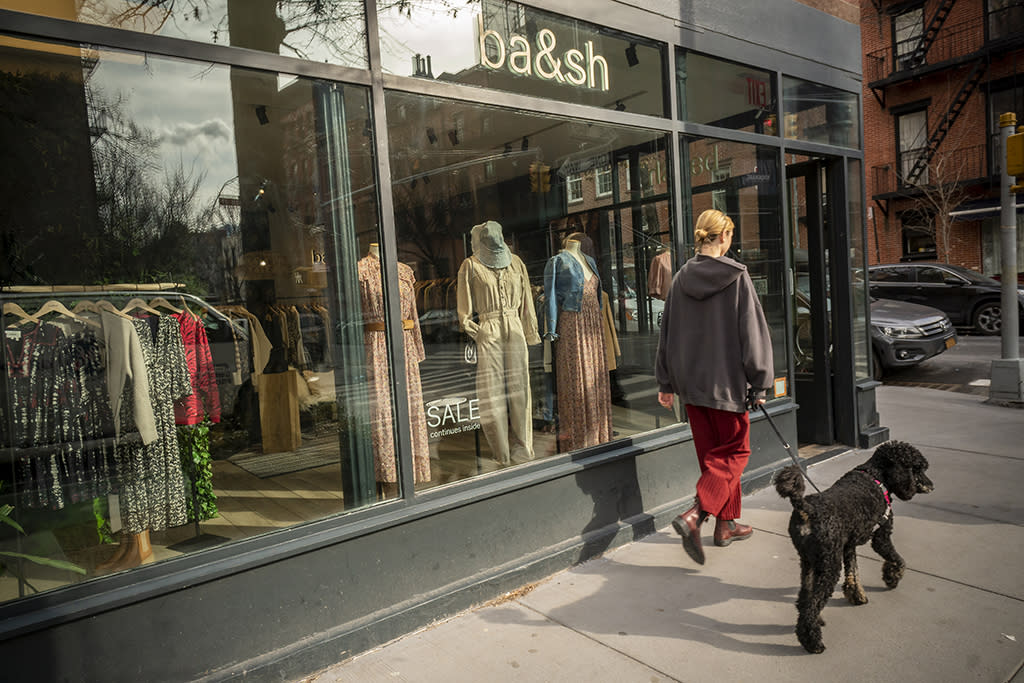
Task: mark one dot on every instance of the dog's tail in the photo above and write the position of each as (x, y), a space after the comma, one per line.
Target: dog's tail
(789, 482)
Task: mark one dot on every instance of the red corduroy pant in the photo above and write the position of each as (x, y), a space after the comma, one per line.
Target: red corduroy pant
(722, 440)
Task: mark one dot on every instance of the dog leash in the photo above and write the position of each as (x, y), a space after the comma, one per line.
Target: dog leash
(785, 444)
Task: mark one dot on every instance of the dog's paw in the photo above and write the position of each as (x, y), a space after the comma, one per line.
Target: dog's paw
(892, 573)
(854, 593)
(810, 636)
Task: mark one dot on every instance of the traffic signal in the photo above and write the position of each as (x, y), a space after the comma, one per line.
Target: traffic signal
(1015, 159)
(540, 177)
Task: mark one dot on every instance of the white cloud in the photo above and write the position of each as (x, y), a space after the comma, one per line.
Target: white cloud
(185, 133)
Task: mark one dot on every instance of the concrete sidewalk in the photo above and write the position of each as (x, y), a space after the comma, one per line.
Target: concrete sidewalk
(645, 612)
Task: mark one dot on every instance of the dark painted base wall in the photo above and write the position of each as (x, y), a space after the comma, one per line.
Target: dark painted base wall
(296, 615)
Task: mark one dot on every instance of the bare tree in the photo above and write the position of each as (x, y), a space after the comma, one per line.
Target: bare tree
(942, 190)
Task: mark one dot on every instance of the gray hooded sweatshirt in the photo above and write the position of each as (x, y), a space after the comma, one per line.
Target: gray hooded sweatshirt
(714, 338)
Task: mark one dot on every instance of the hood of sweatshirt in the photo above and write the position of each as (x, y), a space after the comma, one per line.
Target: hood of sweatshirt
(704, 276)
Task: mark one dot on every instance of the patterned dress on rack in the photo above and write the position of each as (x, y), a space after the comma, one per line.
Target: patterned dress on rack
(152, 492)
(581, 375)
(372, 293)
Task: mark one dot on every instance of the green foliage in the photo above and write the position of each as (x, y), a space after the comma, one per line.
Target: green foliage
(5, 517)
(194, 447)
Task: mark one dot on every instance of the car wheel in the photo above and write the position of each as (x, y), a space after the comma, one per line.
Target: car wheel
(878, 371)
(988, 318)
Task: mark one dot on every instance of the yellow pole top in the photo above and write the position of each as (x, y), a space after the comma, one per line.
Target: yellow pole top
(1007, 119)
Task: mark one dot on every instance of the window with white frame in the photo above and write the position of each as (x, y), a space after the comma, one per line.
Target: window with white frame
(574, 188)
(603, 181)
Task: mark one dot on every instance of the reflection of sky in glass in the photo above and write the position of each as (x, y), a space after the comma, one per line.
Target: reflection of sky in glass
(186, 106)
(333, 31)
(449, 41)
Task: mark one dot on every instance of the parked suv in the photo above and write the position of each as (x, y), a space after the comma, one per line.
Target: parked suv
(904, 334)
(970, 299)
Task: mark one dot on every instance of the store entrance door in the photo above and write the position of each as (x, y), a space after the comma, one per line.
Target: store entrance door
(807, 207)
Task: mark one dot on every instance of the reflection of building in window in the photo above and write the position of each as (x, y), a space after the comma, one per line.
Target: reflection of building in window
(1005, 18)
(719, 198)
(574, 188)
(603, 181)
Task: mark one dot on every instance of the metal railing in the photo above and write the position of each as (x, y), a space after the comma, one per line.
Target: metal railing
(962, 165)
(957, 40)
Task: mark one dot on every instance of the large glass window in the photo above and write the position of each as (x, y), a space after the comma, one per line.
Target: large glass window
(907, 31)
(742, 180)
(818, 113)
(725, 94)
(192, 326)
(1005, 18)
(332, 32)
(507, 46)
(858, 266)
(539, 316)
(912, 138)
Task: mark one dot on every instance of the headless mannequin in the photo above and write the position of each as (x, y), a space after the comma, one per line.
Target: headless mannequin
(134, 549)
(386, 490)
(572, 247)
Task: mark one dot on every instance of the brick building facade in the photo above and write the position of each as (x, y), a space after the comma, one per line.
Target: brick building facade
(937, 74)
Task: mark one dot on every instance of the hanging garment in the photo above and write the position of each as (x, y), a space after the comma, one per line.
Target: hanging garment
(59, 415)
(127, 378)
(659, 277)
(204, 399)
(612, 351)
(581, 375)
(152, 494)
(503, 302)
(372, 294)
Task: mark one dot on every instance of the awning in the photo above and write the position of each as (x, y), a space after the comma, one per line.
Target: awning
(982, 208)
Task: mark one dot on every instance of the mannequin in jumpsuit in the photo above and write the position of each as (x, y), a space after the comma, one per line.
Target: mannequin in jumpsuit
(493, 284)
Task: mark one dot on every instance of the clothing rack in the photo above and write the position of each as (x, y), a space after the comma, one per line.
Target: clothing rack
(122, 290)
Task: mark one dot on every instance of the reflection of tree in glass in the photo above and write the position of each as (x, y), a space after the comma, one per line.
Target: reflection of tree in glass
(308, 29)
(148, 213)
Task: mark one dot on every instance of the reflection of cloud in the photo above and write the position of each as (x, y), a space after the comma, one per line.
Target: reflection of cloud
(184, 133)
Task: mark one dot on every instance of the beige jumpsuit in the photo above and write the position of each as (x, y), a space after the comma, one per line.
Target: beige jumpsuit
(503, 302)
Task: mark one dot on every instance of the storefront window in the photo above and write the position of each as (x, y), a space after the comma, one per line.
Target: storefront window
(725, 94)
(539, 314)
(190, 313)
(818, 113)
(333, 32)
(516, 48)
(742, 180)
(858, 265)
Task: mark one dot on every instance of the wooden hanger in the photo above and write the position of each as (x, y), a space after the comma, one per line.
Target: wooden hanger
(139, 304)
(54, 306)
(105, 305)
(160, 301)
(86, 306)
(11, 308)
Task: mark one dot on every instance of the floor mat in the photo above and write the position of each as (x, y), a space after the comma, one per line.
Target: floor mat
(265, 465)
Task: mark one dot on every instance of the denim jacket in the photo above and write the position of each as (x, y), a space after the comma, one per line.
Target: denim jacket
(563, 288)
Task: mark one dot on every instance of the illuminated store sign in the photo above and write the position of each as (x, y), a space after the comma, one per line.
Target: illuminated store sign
(573, 67)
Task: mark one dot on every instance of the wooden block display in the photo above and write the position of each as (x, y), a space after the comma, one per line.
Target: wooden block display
(279, 411)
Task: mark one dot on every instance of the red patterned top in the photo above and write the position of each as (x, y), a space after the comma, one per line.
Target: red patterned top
(204, 399)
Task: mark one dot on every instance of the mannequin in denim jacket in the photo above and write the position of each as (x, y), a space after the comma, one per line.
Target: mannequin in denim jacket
(564, 276)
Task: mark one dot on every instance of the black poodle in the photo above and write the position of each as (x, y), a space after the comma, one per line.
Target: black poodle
(826, 528)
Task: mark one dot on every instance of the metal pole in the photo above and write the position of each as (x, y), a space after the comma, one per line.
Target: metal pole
(1008, 372)
(1008, 246)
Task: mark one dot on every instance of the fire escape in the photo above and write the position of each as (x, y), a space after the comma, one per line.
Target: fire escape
(959, 47)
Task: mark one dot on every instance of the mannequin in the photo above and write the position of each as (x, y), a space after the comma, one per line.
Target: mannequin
(494, 285)
(375, 338)
(573, 296)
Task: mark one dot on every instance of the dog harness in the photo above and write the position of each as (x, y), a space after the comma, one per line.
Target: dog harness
(885, 494)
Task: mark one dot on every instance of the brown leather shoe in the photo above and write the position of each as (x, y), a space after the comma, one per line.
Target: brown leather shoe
(687, 525)
(727, 531)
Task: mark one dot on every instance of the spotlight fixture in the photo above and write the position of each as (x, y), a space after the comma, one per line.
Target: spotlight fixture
(526, 143)
(431, 136)
(261, 114)
(619, 106)
(631, 57)
(508, 148)
(453, 135)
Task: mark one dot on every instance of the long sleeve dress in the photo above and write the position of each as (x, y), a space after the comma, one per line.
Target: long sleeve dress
(372, 293)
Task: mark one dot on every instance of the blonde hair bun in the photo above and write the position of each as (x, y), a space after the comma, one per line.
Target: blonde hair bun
(711, 224)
